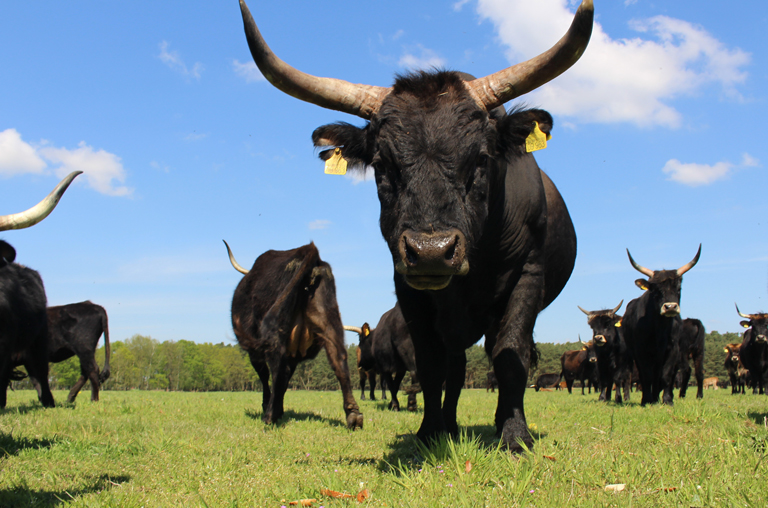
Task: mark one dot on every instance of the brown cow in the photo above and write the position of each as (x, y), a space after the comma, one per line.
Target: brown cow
(737, 373)
(710, 382)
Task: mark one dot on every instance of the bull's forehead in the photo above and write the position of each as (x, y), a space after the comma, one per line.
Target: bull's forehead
(665, 277)
(603, 318)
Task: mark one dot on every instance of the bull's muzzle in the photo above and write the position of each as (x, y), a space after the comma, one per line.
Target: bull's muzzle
(599, 340)
(430, 260)
(593, 360)
(761, 338)
(670, 309)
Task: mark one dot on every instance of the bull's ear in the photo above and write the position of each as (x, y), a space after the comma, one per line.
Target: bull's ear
(642, 284)
(366, 330)
(7, 253)
(617, 324)
(351, 140)
(745, 324)
(518, 125)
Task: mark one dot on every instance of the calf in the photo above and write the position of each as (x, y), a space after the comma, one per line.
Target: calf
(549, 380)
(692, 348)
(578, 364)
(710, 382)
(284, 311)
(754, 349)
(614, 359)
(652, 327)
(737, 373)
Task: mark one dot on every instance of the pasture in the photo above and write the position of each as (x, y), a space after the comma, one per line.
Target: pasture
(154, 448)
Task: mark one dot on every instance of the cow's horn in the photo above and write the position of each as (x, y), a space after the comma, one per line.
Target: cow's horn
(40, 211)
(355, 329)
(691, 264)
(616, 309)
(584, 311)
(496, 89)
(235, 264)
(745, 316)
(581, 341)
(359, 100)
(645, 271)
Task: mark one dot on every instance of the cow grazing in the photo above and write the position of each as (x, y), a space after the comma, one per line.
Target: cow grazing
(389, 350)
(614, 359)
(284, 311)
(490, 382)
(652, 328)
(692, 348)
(579, 364)
(23, 322)
(75, 329)
(480, 238)
(549, 380)
(737, 373)
(710, 382)
(366, 374)
(754, 349)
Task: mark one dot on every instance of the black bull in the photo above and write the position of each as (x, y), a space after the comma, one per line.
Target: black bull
(652, 328)
(481, 240)
(754, 349)
(23, 323)
(284, 311)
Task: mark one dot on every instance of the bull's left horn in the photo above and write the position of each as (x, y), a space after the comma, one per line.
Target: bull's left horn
(616, 309)
(645, 271)
(359, 100)
(40, 211)
(232, 260)
(691, 264)
(496, 89)
(355, 329)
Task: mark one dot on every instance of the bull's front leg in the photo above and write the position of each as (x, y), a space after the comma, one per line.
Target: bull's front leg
(457, 366)
(511, 354)
(337, 357)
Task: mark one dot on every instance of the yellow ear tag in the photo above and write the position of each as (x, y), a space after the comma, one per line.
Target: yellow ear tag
(725, 350)
(536, 140)
(336, 165)
(366, 332)
(617, 324)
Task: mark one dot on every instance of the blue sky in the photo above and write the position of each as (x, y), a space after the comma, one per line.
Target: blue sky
(658, 145)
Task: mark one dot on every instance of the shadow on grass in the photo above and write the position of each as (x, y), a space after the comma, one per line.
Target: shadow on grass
(10, 445)
(301, 417)
(21, 496)
(23, 408)
(758, 418)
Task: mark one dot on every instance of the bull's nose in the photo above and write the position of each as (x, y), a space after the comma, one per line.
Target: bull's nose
(670, 309)
(593, 360)
(600, 339)
(439, 253)
(761, 338)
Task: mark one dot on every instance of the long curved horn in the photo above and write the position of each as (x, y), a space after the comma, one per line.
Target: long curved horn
(616, 309)
(584, 311)
(746, 316)
(235, 264)
(496, 89)
(641, 269)
(359, 100)
(691, 264)
(40, 211)
(355, 329)
(581, 341)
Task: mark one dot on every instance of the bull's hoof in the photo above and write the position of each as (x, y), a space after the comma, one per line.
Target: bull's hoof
(354, 421)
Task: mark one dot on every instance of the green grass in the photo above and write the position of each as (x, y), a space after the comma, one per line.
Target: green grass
(153, 449)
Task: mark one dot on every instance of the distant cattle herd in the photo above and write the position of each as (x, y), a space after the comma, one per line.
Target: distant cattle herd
(481, 242)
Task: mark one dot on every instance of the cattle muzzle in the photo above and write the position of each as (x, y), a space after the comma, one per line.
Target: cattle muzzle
(593, 359)
(600, 340)
(430, 260)
(761, 339)
(670, 309)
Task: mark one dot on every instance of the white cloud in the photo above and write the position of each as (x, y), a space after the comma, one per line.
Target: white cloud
(630, 2)
(248, 71)
(319, 224)
(99, 167)
(426, 59)
(749, 161)
(693, 174)
(174, 62)
(457, 6)
(626, 80)
(16, 156)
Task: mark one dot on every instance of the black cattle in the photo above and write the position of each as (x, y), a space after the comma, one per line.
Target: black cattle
(614, 359)
(652, 328)
(754, 349)
(490, 381)
(480, 238)
(737, 373)
(389, 350)
(549, 380)
(284, 311)
(75, 329)
(23, 322)
(692, 348)
(579, 364)
(366, 374)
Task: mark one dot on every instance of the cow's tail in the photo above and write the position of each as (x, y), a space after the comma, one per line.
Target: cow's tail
(104, 374)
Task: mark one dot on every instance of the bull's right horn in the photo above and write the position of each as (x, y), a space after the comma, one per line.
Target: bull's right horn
(355, 329)
(745, 316)
(40, 211)
(584, 311)
(645, 271)
(235, 264)
(581, 341)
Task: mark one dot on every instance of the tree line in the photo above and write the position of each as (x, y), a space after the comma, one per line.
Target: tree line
(144, 363)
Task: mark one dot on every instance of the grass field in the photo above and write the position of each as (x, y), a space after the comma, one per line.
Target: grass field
(144, 448)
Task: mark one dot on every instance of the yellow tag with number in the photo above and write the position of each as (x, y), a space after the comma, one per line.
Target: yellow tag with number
(336, 165)
(536, 140)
